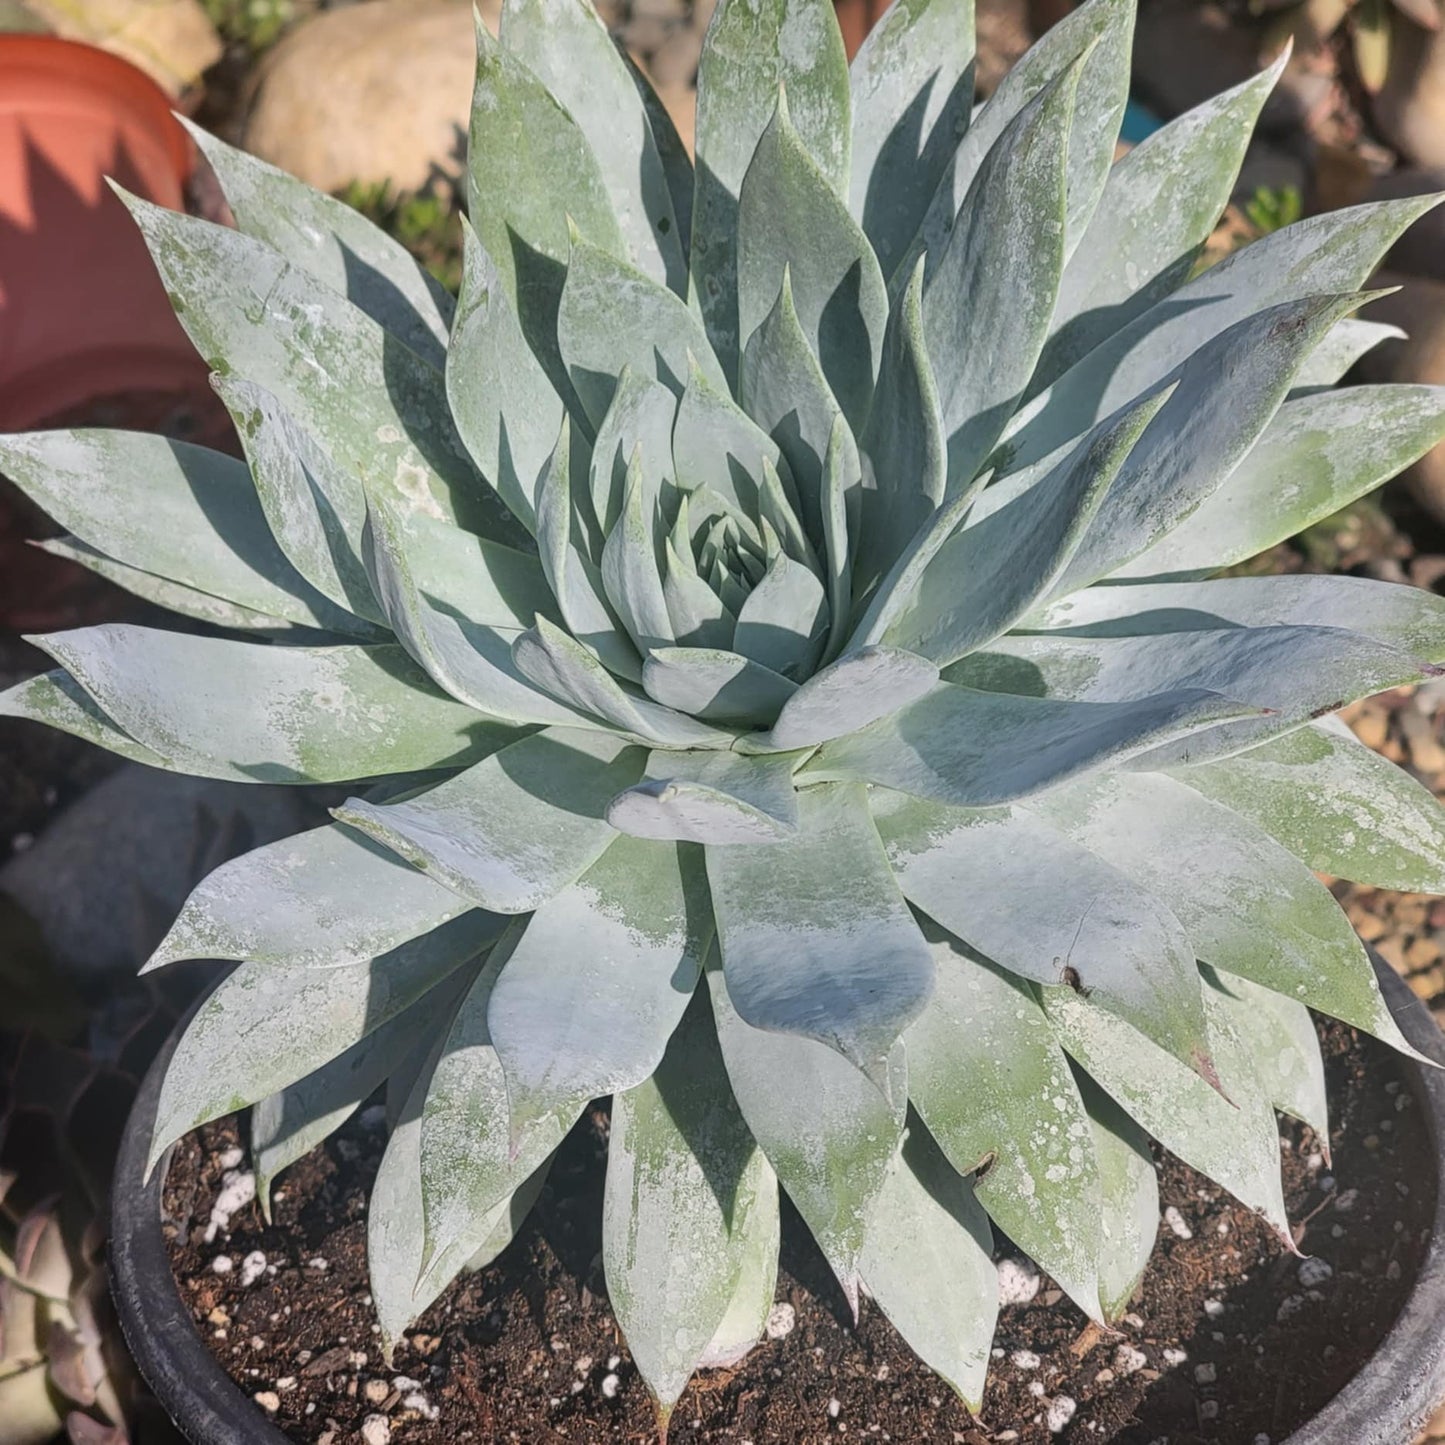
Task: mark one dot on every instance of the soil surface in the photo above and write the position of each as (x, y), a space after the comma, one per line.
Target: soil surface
(1231, 1341)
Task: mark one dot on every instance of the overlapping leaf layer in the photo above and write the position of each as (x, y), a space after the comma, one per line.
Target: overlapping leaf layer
(767, 623)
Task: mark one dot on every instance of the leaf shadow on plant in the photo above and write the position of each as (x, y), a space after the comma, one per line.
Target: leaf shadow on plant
(844, 342)
(906, 152)
(374, 292)
(1057, 418)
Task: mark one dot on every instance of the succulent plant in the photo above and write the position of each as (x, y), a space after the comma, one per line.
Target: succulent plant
(50, 1342)
(1370, 26)
(768, 624)
(64, 1372)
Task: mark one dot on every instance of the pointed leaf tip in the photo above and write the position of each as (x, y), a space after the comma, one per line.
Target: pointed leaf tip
(1203, 1065)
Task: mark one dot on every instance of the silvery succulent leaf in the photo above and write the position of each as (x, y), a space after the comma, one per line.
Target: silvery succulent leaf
(767, 632)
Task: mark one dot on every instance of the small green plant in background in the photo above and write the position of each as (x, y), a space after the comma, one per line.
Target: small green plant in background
(426, 223)
(254, 24)
(1271, 208)
(758, 620)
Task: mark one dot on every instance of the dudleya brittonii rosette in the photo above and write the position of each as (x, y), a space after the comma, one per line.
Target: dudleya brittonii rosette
(766, 622)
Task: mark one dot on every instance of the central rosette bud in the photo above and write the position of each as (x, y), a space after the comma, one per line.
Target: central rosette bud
(689, 549)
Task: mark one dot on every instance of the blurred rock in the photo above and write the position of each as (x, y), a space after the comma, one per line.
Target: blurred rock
(1276, 167)
(674, 63)
(173, 41)
(1418, 309)
(1185, 53)
(652, 23)
(108, 875)
(1410, 108)
(1002, 36)
(378, 91)
(681, 103)
(1421, 250)
(1343, 177)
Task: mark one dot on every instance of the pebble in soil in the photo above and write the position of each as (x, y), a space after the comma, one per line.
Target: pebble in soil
(1230, 1339)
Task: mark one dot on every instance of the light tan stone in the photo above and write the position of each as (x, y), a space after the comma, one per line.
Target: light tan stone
(681, 103)
(373, 92)
(1410, 108)
(173, 41)
(1418, 308)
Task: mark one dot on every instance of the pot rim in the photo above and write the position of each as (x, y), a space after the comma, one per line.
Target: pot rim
(1384, 1403)
(1403, 1383)
(204, 1403)
(97, 81)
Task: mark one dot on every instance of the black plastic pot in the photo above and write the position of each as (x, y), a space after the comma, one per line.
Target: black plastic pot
(1385, 1404)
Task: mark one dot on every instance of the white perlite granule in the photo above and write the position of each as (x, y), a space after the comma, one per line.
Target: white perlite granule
(423, 1407)
(1060, 1412)
(1314, 1271)
(1018, 1282)
(237, 1191)
(1175, 1221)
(1127, 1360)
(376, 1430)
(1025, 1359)
(781, 1319)
(252, 1268)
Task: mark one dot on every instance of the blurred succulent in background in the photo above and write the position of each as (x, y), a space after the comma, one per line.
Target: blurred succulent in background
(1370, 25)
(768, 623)
(63, 1367)
(53, 1373)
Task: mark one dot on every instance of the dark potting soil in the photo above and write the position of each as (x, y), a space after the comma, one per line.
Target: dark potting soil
(1230, 1341)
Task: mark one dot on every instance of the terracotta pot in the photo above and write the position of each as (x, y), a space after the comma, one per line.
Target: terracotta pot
(1395, 1391)
(83, 315)
(856, 18)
